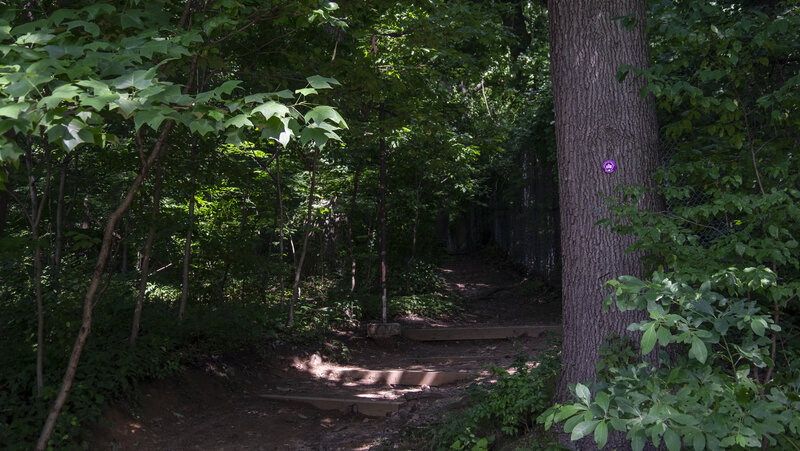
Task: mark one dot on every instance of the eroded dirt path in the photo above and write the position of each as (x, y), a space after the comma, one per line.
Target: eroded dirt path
(219, 405)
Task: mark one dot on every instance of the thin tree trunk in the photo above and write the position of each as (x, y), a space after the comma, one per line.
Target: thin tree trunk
(123, 266)
(298, 271)
(187, 255)
(37, 208)
(4, 200)
(280, 228)
(416, 224)
(382, 218)
(59, 243)
(148, 246)
(88, 302)
(351, 237)
(597, 118)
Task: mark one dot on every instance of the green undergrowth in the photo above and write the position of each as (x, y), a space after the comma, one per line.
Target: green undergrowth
(109, 369)
(501, 411)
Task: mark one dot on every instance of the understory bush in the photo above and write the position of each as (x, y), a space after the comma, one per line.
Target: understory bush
(505, 408)
(715, 385)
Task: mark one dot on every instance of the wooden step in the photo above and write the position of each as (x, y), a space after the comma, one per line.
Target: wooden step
(477, 333)
(403, 377)
(370, 407)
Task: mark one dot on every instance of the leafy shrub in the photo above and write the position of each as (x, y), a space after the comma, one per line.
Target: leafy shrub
(504, 409)
(422, 278)
(715, 391)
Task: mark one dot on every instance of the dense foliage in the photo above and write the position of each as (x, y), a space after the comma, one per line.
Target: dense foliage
(197, 154)
(723, 298)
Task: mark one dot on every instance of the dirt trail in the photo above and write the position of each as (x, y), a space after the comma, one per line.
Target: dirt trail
(219, 405)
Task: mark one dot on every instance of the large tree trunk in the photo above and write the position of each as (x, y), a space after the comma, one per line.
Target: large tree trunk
(299, 269)
(597, 118)
(148, 247)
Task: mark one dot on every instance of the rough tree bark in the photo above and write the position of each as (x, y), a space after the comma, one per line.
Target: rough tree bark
(148, 247)
(597, 118)
(299, 269)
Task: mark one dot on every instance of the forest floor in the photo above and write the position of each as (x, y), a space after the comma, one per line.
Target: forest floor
(217, 404)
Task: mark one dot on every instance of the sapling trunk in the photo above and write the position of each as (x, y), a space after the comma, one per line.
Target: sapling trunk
(148, 246)
(298, 271)
(94, 284)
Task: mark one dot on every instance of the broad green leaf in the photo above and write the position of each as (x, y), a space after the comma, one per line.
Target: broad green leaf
(758, 325)
(278, 130)
(151, 117)
(201, 127)
(699, 442)
(317, 135)
(62, 92)
(321, 113)
(649, 339)
(272, 109)
(306, 91)
(567, 411)
(319, 82)
(601, 434)
(699, 350)
(602, 400)
(582, 392)
(238, 121)
(9, 151)
(672, 440)
(582, 429)
(13, 110)
(138, 79)
(228, 87)
(284, 94)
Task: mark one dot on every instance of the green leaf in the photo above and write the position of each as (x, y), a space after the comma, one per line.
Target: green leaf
(602, 400)
(13, 110)
(582, 392)
(228, 87)
(758, 325)
(322, 113)
(699, 350)
(601, 434)
(582, 429)
(277, 129)
(62, 92)
(567, 411)
(238, 121)
(201, 127)
(699, 442)
(318, 135)
(319, 82)
(272, 109)
(306, 91)
(649, 339)
(672, 440)
(138, 79)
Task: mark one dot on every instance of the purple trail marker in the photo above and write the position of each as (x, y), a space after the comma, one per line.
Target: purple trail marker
(609, 166)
